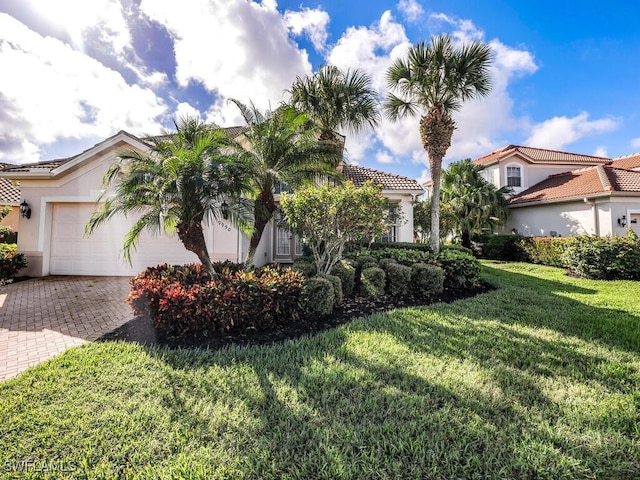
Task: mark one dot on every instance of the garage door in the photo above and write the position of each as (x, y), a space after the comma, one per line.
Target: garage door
(74, 254)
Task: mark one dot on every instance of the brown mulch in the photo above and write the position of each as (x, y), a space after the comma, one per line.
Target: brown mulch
(143, 331)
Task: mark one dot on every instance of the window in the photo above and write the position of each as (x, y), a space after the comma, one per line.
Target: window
(514, 178)
(394, 220)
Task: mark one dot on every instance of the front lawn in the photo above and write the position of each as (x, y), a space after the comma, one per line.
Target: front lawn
(538, 379)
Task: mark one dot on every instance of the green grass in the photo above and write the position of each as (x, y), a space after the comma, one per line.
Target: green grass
(539, 379)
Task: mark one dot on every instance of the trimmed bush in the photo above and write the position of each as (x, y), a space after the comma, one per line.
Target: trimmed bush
(338, 294)
(422, 247)
(426, 280)
(503, 246)
(11, 262)
(347, 273)
(605, 258)
(401, 255)
(462, 270)
(384, 263)
(185, 301)
(398, 280)
(364, 258)
(372, 282)
(364, 266)
(456, 247)
(545, 250)
(308, 269)
(317, 297)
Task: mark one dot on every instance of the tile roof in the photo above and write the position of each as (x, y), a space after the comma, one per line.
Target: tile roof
(540, 155)
(9, 193)
(389, 181)
(578, 183)
(629, 162)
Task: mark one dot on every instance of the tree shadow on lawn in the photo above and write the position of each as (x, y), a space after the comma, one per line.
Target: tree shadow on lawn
(446, 391)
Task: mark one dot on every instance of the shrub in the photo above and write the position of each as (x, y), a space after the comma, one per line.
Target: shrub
(317, 297)
(308, 269)
(421, 247)
(347, 273)
(384, 263)
(372, 282)
(456, 247)
(11, 262)
(461, 269)
(545, 250)
(401, 255)
(426, 280)
(185, 301)
(364, 258)
(398, 282)
(503, 246)
(605, 258)
(338, 294)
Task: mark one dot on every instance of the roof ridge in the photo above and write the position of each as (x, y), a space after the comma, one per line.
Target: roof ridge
(604, 178)
(376, 170)
(562, 151)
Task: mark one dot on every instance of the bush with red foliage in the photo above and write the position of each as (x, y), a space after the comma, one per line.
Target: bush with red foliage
(185, 301)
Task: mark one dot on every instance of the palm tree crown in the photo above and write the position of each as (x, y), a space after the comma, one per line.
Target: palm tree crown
(189, 176)
(433, 81)
(476, 204)
(282, 146)
(334, 99)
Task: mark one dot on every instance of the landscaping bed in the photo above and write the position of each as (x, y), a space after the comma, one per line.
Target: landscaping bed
(142, 329)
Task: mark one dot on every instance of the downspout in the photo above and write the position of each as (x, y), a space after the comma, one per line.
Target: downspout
(596, 223)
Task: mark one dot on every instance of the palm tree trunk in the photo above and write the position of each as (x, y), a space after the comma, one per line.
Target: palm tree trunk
(264, 208)
(193, 240)
(436, 130)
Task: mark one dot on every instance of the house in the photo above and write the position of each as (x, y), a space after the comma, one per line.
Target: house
(62, 194)
(561, 193)
(603, 199)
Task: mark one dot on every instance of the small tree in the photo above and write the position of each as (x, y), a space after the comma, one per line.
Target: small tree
(328, 217)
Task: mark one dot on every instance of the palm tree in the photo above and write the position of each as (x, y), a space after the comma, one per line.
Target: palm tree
(477, 205)
(283, 147)
(188, 177)
(335, 99)
(434, 81)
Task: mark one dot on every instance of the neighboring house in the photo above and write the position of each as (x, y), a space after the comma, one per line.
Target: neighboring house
(62, 195)
(562, 193)
(10, 197)
(599, 200)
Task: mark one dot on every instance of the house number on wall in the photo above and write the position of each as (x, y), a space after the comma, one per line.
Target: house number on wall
(223, 225)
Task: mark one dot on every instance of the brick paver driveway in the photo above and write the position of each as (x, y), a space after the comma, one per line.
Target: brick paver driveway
(42, 317)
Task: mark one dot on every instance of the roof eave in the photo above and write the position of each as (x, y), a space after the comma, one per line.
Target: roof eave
(565, 199)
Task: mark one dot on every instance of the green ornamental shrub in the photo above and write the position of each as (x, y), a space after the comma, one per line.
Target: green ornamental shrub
(398, 280)
(400, 255)
(308, 269)
(605, 258)
(347, 273)
(338, 294)
(317, 297)
(503, 246)
(545, 250)
(11, 262)
(427, 281)
(384, 263)
(372, 282)
(462, 270)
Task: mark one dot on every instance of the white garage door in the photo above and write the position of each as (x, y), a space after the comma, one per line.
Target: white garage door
(101, 254)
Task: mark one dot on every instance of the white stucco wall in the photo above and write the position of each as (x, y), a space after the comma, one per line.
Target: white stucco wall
(598, 216)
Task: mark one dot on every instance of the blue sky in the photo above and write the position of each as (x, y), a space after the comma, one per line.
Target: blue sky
(75, 72)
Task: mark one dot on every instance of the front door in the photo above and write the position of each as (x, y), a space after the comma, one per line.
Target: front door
(286, 246)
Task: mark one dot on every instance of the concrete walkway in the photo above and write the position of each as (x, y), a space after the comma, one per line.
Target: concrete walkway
(42, 317)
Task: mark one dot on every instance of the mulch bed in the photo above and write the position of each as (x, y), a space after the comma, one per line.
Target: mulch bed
(143, 331)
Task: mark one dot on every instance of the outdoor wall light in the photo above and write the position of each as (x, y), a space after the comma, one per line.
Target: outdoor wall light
(622, 221)
(25, 209)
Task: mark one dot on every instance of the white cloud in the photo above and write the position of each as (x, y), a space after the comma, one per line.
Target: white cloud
(385, 157)
(557, 132)
(185, 109)
(635, 143)
(411, 10)
(601, 151)
(57, 93)
(312, 22)
(236, 48)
